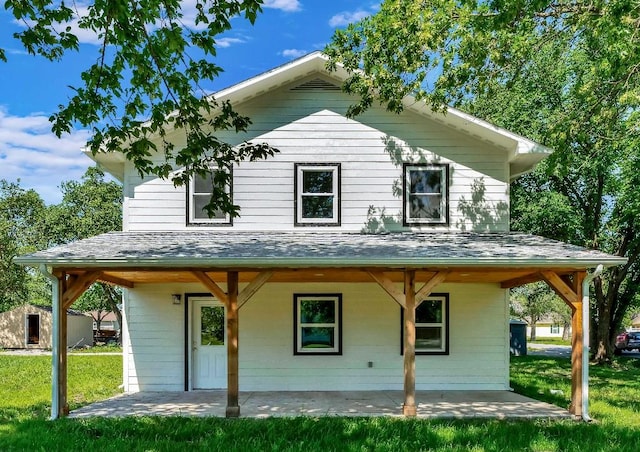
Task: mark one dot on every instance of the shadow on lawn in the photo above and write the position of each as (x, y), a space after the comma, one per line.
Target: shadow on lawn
(305, 433)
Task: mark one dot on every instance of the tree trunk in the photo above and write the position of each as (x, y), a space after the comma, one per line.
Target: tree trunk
(565, 331)
(603, 344)
(533, 332)
(112, 297)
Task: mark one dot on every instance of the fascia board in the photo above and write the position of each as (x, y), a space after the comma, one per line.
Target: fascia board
(258, 262)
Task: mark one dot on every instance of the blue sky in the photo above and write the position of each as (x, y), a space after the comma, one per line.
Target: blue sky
(31, 88)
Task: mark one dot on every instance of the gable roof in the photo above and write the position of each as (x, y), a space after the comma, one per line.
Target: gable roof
(523, 153)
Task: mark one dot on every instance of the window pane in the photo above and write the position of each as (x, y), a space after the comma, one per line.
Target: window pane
(429, 311)
(428, 337)
(317, 181)
(317, 337)
(203, 184)
(425, 181)
(198, 209)
(425, 206)
(212, 325)
(317, 311)
(317, 207)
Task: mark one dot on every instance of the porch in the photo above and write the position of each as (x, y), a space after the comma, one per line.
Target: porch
(430, 404)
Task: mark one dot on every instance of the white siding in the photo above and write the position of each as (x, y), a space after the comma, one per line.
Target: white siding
(309, 127)
(478, 358)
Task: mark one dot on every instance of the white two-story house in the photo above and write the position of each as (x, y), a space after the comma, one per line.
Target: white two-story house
(370, 254)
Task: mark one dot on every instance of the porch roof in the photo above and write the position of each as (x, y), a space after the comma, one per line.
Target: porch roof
(275, 249)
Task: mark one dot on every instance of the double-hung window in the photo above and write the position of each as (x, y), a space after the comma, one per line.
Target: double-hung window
(317, 324)
(317, 200)
(425, 194)
(198, 196)
(432, 326)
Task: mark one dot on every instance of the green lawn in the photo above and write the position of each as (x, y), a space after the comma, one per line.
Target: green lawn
(23, 412)
(550, 341)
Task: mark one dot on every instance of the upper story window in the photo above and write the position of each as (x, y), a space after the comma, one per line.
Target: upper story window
(198, 196)
(426, 194)
(317, 200)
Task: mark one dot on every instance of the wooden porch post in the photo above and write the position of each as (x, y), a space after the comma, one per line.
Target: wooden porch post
(233, 409)
(409, 406)
(577, 346)
(571, 292)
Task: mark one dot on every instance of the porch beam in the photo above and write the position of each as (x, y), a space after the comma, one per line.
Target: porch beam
(564, 291)
(385, 282)
(109, 279)
(214, 288)
(428, 287)
(76, 286)
(526, 279)
(409, 405)
(253, 287)
(233, 408)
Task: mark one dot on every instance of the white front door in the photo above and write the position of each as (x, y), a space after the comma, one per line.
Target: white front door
(209, 344)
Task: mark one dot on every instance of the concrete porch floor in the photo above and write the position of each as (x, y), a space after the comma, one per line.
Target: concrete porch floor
(431, 404)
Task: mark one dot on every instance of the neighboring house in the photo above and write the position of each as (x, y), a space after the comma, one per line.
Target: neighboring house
(549, 326)
(371, 253)
(108, 320)
(635, 322)
(30, 326)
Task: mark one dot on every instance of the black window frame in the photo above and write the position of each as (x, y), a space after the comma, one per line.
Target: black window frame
(211, 222)
(298, 221)
(336, 351)
(445, 299)
(406, 220)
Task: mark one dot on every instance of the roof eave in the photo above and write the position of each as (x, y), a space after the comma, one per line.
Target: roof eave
(256, 262)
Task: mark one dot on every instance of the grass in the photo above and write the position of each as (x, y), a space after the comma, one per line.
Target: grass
(99, 349)
(550, 341)
(615, 396)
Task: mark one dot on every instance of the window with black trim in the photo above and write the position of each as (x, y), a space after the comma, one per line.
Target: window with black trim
(317, 324)
(426, 194)
(432, 325)
(317, 198)
(198, 195)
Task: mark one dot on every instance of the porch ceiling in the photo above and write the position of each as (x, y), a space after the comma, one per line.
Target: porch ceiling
(126, 277)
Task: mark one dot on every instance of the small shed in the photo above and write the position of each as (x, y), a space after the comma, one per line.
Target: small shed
(30, 326)
(518, 337)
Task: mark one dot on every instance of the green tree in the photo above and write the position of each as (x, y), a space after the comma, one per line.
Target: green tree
(565, 73)
(21, 231)
(89, 207)
(146, 81)
(532, 303)
(586, 192)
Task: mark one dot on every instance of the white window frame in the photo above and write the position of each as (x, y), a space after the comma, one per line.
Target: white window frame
(298, 300)
(300, 169)
(192, 220)
(555, 328)
(444, 194)
(444, 326)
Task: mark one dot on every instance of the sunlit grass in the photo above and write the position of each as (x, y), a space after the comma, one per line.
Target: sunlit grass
(615, 395)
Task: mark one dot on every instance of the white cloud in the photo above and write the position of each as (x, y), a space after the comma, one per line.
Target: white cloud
(346, 17)
(293, 53)
(284, 5)
(228, 42)
(31, 153)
